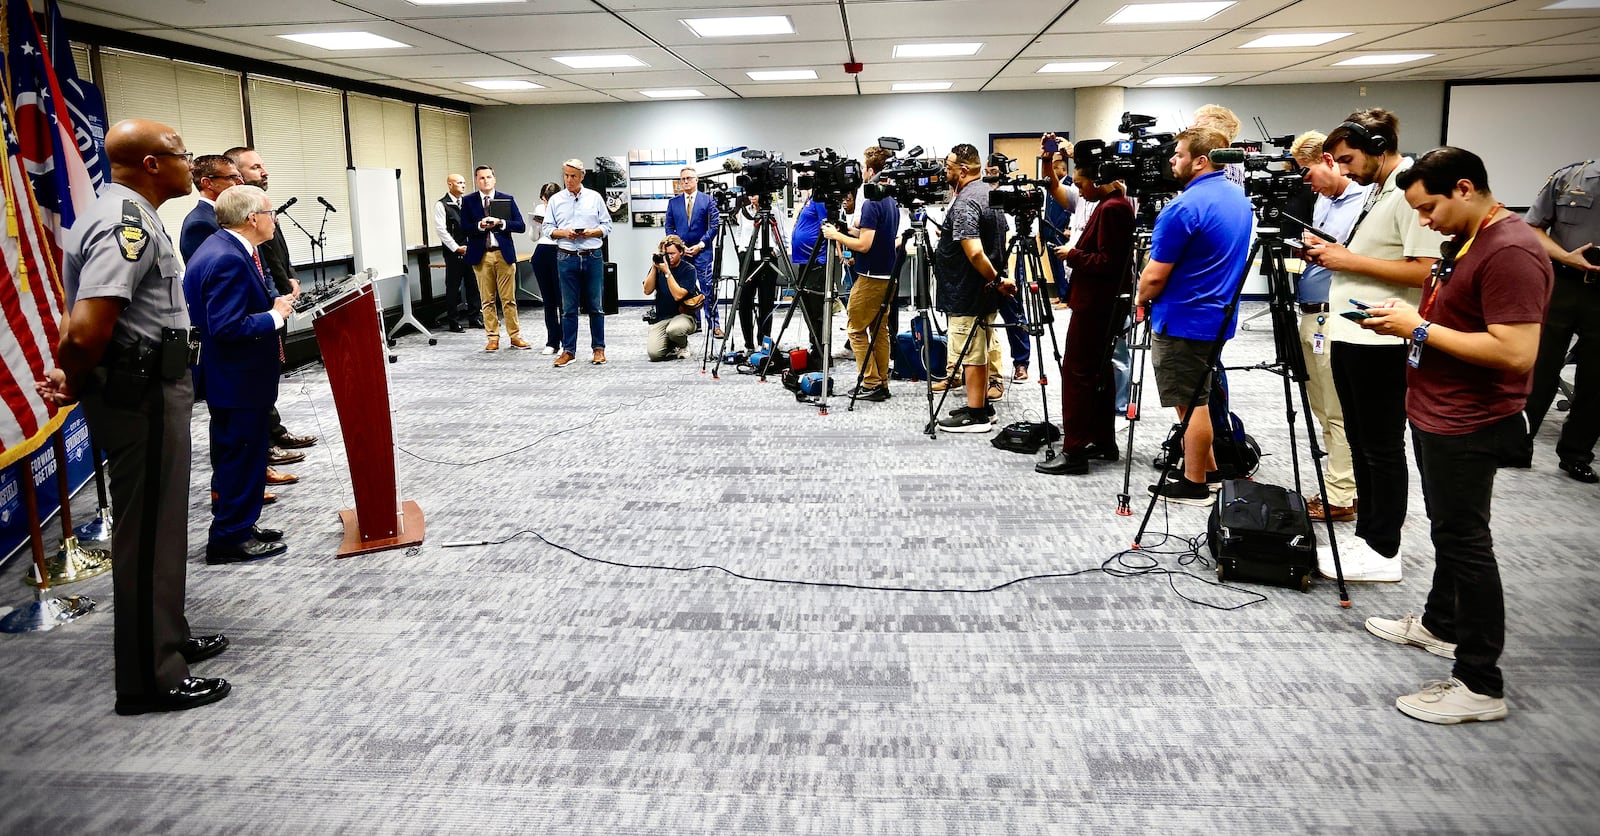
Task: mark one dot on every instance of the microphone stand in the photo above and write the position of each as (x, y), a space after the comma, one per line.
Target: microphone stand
(316, 245)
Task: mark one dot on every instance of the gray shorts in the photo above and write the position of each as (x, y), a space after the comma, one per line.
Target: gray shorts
(1181, 365)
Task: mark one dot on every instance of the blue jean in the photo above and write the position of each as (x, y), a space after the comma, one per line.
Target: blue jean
(544, 270)
(582, 280)
(705, 276)
(1016, 320)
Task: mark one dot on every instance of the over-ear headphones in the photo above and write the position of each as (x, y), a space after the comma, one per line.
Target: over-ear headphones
(1370, 142)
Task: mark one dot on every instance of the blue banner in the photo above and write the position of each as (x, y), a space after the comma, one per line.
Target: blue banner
(41, 468)
(84, 102)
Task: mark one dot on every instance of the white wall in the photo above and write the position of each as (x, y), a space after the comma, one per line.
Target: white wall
(526, 144)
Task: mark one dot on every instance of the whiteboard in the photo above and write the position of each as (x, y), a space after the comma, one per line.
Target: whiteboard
(377, 221)
(1524, 132)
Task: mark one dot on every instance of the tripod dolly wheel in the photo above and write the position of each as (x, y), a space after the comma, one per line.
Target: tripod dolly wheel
(1222, 572)
(1305, 583)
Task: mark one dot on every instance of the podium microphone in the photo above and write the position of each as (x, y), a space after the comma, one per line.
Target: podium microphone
(285, 207)
(325, 204)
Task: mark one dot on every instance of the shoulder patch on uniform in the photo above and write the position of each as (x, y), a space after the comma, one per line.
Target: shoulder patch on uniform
(131, 215)
(132, 240)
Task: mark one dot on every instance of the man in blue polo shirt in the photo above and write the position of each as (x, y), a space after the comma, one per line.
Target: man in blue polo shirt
(1197, 259)
(874, 240)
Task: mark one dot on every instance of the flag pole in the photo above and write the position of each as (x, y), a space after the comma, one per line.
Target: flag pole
(73, 562)
(45, 613)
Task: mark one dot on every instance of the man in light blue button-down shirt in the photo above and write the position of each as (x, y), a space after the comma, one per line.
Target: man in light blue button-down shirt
(579, 222)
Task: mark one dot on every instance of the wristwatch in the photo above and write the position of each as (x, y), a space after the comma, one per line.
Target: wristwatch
(1420, 333)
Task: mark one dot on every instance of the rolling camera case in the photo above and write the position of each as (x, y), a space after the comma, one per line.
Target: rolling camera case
(1261, 533)
(906, 360)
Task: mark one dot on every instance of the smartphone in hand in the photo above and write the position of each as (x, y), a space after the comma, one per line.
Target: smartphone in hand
(1360, 305)
(1051, 145)
(1356, 316)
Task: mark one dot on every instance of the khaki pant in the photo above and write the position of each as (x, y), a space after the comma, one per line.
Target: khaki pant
(667, 336)
(982, 349)
(498, 278)
(866, 296)
(1338, 473)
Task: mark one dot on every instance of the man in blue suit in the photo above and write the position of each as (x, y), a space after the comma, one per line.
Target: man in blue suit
(237, 312)
(492, 255)
(213, 175)
(692, 216)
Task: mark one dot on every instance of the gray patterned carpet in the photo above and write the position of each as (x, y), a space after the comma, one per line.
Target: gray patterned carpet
(518, 688)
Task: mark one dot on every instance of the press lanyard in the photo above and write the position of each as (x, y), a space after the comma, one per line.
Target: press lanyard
(1439, 269)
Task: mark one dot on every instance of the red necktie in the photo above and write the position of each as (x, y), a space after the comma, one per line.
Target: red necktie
(255, 255)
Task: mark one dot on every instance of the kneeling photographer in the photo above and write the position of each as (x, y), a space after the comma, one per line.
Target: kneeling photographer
(1101, 258)
(669, 280)
(970, 285)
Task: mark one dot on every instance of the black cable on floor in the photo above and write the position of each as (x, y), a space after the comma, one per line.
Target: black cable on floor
(1116, 566)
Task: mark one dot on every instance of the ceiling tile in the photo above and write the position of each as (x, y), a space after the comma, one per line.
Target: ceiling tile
(110, 20)
(1582, 68)
(973, 19)
(1484, 34)
(459, 65)
(1230, 43)
(1054, 81)
(800, 54)
(1139, 79)
(811, 23)
(995, 48)
(654, 58)
(799, 88)
(959, 85)
(1090, 16)
(403, 11)
(1245, 61)
(1439, 56)
(1319, 13)
(1162, 44)
(1587, 36)
(538, 97)
(930, 70)
(644, 80)
(537, 32)
(1029, 68)
(736, 77)
(1529, 10)
(190, 14)
(1526, 55)
(209, 39)
(336, 70)
(420, 43)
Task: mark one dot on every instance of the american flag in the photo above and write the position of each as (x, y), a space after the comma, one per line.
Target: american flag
(61, 184)
(41, 161)
(84, 102)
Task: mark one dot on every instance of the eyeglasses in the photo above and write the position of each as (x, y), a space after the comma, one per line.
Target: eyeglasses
(188, 156)
(237, 178)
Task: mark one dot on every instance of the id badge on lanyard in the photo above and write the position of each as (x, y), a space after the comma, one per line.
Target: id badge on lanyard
(1319, 343)
(1414, 356)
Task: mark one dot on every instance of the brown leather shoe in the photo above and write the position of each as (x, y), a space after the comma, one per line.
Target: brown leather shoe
(1320, 512)
(494, 344)
(996, 390)
(941, 384)
(520, 344)
(290, 441)
(278, 455)
(1020, 373)
(275, 477)
(599, 357)
(564, 358)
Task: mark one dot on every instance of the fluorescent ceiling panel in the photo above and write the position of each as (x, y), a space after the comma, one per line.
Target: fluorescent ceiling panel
(1294, 39)
(503, 84)
(935, 50)
(1077, 67)
(920, 86)
(782, 75)
(1174, 80)
(598, 62)
(1382, 60)
(672, 94)
(345, 40)
(1168, 12)
(732, 27)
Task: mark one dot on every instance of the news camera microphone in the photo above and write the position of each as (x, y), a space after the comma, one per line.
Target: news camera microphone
(914, 153)
(285, 207)
(733, 164)
(1225, 156)
(325, 204)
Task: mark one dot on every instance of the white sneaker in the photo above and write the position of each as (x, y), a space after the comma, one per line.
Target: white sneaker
(1361, 564)
(1450, 701)
(1408, 629)
(547, 351)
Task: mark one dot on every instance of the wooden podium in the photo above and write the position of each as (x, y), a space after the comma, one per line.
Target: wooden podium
(350, 334)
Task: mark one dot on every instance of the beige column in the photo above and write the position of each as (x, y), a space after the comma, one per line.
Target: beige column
(1099, 111)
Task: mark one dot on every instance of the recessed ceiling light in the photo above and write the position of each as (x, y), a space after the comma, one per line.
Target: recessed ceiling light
(920, 86)
(596, 62)
(672, 94)
(1077, 67)
(935, 50)
(781, 75)
(344, 40)
(1571, 4)
(1168, 12)
(1290, 39)
(1174, 80)
(1379, 60)
(729, 27)
(503, 84)
(459, 2)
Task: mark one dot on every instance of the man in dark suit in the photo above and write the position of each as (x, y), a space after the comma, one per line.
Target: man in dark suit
(237, 312)
(213, 174)
(692, 216)
(461, 303)
(275, 256)
(492, 255)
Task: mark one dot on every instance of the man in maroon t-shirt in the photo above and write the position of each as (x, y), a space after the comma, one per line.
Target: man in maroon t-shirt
(1475, 337)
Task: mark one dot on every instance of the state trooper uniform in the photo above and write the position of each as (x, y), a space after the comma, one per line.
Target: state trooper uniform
(1568, 208)
(137, 403)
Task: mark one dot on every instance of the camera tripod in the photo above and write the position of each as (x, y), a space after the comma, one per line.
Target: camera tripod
(1288, 362)
(763, 258)
(825, 295)
(724, 241)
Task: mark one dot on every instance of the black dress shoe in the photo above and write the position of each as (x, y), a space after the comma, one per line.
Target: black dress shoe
(1108, 453)
(266, 535)
(245, 552)
(201, 648)
(290, 441)
(278, 455)
(1069, 463)
(1580, 471)
(190, 693)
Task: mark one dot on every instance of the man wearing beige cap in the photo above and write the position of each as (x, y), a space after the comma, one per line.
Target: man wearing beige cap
(579, 223)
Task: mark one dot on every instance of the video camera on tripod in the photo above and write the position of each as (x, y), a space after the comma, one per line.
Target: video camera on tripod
(1016, 196)
(729, 198)
(760, 172)
(909, 179)
(829, 176)
(1274, 182)
(1143, 161)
